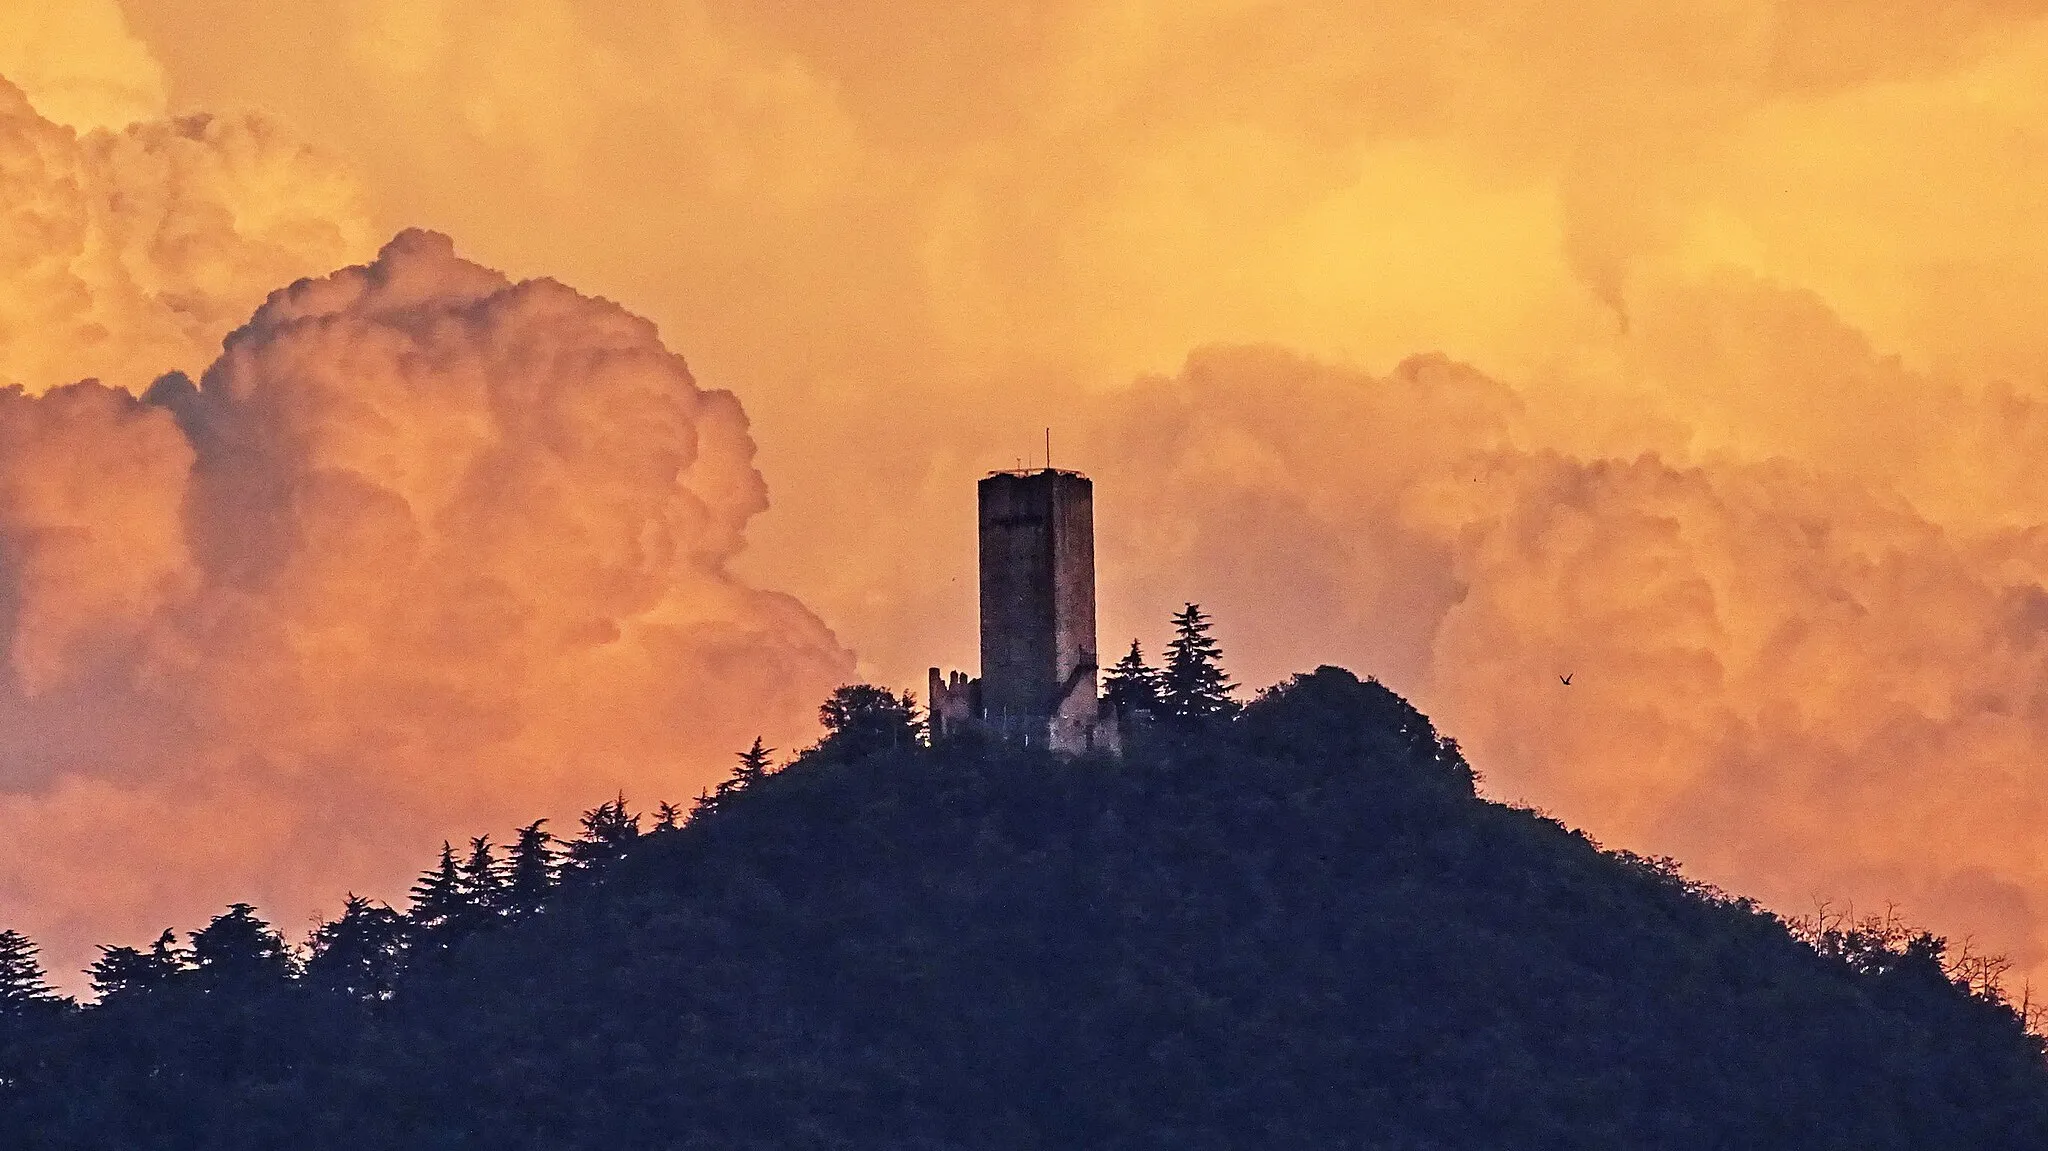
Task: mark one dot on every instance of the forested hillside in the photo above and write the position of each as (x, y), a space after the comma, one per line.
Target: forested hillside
(1291, 927)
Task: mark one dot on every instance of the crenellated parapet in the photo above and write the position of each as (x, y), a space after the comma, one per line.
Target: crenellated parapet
(955, 702)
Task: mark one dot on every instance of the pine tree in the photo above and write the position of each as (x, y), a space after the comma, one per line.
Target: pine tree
(1132, 685)
(22, 983)
(167, 955)
(533, 869)
(753, 767)
(667, 816)
(238, 949)
(608, 829)
(361, 954)
(754, 764)
(128, 971)
(438, 897)
(1193, 686)
(483, 880)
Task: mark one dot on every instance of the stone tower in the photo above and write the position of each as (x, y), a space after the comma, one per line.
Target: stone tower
(1038, 659)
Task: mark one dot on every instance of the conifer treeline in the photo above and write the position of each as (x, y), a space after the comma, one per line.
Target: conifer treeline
(1191, 687)
(363, 953)
(1251, 929)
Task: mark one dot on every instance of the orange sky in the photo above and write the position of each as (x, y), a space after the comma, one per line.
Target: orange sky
(1692, 349)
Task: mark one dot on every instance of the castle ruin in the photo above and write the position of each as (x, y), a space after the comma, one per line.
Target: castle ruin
(1038, 657)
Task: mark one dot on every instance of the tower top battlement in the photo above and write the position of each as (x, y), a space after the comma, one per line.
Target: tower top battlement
(1026, 472)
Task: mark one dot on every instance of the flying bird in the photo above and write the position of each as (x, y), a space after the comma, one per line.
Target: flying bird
(1566, 679)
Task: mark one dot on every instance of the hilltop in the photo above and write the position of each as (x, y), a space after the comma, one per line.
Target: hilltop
(1299, 927)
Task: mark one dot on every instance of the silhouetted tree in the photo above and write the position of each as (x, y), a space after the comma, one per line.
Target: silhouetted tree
(1193, 685)
(361, 954)
(754, 764)
(667, 816)
(483, 882)
(861, 719)
(126, 970)
(608, 829)
(438, 898)
(752, 768)
(532, 870)
(1132, 685)
(238, 949)
(1330, 715)
(22, 983)
(121, 971)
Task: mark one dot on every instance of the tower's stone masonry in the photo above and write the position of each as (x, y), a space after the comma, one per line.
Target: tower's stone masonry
(1039, 670)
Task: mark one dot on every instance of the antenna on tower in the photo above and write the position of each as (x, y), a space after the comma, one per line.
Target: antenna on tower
(1048, 449)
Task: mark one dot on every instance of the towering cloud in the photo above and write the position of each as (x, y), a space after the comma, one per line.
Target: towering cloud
(424, 550)
(1790, 677)
(991, 221)
(1730, 395)
(127, 252)
(80, 64)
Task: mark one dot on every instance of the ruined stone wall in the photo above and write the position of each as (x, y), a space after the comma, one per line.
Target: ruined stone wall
(954, 702)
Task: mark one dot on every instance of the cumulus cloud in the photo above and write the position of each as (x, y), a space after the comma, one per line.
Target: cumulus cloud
(424, 550)
(1788, 676)
(79, 63)
(127, 252)
(1501, 181)
(1741, 384)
